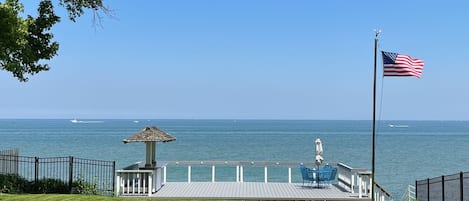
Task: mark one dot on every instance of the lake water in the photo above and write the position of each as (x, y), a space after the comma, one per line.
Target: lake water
(407, 151)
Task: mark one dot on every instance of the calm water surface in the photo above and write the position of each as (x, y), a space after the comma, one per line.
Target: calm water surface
(418, 150)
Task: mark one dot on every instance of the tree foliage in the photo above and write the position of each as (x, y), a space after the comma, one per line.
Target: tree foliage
(25, 42)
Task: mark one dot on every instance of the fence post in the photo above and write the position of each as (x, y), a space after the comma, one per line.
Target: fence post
(36, 169)
(443, 187)
(113, 175)
(416, 190)
(461, 186)
(428, 189)
(70, 173)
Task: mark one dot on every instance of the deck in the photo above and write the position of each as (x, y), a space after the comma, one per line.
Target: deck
(350, 183)
(252, 191)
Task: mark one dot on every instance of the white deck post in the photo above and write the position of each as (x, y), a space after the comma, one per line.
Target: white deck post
(352, 183)
(118, 185)
(365, 187)
(149, 184)
(289, 175)
(145, 184)
(133, 183)
(213, 173)
(164, 174)
(189, 174)
(128, 183)
(138, 182)
(359, 187)
(265, 174)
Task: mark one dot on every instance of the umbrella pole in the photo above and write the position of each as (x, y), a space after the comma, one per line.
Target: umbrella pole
(153, 152)
(148, 156)
(317, 176)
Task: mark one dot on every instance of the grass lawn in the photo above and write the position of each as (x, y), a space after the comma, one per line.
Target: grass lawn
(61, 197)
(55, 197)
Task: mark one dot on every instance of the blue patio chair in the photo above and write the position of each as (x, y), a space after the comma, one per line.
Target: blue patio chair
(334, 174)
(327, 174)
(307, 174)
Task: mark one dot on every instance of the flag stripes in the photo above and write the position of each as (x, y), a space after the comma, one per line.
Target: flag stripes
(395, 64)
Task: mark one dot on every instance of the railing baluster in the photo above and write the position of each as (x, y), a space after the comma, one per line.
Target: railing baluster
(189, 174)
(265, 174)
(213, 173)
(138, 183)
(128, 183)
(289, 175)
(359, 187)
(145, 189)
(133, 183)
(164, 174)
(150, 184)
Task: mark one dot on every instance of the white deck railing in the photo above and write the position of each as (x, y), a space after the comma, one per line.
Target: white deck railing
(141, 182)
(239, 168)
(134, 182)
(358, 180)
(409, 194)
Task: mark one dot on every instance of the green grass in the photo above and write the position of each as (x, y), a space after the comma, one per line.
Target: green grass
(69, 197)
(55, 197)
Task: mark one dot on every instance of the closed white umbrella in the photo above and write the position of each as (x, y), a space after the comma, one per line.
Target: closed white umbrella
(319, 150)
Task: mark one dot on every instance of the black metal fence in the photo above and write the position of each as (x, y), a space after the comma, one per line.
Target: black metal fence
(96, 174)
(7, 163)
(453, 187)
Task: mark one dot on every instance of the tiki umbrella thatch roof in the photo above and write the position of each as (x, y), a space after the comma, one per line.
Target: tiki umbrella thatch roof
(150, 134)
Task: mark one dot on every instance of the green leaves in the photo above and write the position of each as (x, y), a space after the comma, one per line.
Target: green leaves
(25, 42)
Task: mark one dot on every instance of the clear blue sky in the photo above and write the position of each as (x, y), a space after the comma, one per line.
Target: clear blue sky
(244, 59)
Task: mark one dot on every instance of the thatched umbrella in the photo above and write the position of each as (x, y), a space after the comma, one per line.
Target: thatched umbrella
(150, 135)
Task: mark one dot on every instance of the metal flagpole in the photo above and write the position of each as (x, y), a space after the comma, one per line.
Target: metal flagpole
(374, 121)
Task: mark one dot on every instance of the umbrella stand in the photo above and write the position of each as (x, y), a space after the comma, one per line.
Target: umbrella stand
(317, 174)
(150, 154)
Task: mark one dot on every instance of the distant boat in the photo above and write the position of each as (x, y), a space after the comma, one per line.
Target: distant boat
(398, 126)
(75, 121)
(136, 121)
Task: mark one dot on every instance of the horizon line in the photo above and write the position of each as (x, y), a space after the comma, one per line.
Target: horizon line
(253, 119)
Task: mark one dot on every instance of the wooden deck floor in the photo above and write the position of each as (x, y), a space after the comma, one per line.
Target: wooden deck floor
(251, 191)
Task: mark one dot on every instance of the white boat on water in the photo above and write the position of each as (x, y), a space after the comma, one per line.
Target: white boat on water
(398, 126)
(75, 121)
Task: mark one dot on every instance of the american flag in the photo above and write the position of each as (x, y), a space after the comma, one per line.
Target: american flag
(395, 64)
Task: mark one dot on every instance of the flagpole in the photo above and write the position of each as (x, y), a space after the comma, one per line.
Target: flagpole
(374, 120)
